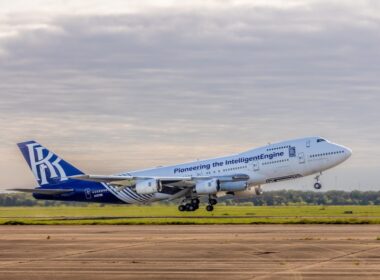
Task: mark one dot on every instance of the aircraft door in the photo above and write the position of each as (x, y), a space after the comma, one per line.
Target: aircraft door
(301, 158)
(87, 193)
(256, 166)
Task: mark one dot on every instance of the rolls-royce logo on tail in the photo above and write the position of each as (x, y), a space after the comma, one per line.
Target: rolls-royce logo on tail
(44, 164)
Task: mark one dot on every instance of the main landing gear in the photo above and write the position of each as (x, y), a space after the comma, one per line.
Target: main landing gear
(192, 204)
(189, 205)
(317, 184)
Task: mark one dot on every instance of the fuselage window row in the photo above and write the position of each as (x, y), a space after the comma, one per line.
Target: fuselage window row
(278, 148)
(272, 162)
(327, 154)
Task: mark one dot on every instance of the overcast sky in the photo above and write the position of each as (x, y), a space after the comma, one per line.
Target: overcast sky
(120, 85)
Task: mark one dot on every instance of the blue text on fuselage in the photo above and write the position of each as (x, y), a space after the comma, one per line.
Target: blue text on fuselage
(207, 166)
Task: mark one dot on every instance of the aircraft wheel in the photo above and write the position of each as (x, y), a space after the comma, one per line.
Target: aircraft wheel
(317, 186)
(181, 208)
(213, 201)
(195, 201)
(190, 207)
(209, 208)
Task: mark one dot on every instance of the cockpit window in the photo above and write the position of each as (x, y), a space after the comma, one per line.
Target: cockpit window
(320, 140)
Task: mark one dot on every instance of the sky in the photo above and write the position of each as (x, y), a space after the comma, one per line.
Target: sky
(113, 86)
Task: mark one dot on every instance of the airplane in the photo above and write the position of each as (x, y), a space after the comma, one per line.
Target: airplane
(240, 175)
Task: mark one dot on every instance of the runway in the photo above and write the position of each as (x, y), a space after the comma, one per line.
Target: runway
(190, 252)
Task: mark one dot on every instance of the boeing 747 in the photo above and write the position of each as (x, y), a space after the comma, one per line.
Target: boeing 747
(240, 174)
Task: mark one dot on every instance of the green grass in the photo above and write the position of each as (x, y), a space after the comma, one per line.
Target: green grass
(161, 214)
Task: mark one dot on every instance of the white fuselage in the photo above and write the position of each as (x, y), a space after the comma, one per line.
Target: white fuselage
(274, 162)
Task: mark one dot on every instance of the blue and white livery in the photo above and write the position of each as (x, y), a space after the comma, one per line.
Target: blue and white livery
(239, 174)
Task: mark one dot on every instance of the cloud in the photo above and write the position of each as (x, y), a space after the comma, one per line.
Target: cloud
(190, 78)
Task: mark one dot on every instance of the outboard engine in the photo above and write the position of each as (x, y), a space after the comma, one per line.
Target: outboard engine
(149, 186)
(233, 186)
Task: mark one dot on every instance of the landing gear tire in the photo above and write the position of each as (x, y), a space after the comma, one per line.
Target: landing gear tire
(181, 208)
(209, 208)
(195, 201)
(317, 186)
(190, 207)
(213, 201)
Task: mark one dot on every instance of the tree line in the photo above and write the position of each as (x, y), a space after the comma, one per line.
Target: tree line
(26, 199)
(293, 197)
(270, 198)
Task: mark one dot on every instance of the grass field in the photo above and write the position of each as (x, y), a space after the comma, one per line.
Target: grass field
(161, 214)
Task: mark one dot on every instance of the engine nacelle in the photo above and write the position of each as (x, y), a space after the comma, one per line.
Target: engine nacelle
(207, 187)
(148, 186)
(249, 192)
(233, 186)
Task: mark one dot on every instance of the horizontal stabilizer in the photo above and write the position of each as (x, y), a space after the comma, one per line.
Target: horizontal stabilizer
(44, 191)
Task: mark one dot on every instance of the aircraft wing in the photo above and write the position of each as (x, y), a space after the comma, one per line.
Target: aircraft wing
(130, 180)
(121, 178)
(126, 181)
(44, 191)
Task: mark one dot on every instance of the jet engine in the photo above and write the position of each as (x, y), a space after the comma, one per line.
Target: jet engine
(148, 186)
(249, 192)
(233, 186)
(208, 186)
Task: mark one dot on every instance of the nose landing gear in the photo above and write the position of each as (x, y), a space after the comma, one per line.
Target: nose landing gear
(317, 184)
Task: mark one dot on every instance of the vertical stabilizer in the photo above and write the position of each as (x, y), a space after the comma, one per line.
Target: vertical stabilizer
(47, 167)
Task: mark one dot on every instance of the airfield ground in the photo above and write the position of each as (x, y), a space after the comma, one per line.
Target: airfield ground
(190, 252)
(161, 214)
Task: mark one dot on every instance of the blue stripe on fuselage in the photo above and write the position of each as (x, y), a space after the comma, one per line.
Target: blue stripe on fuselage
(79, 194)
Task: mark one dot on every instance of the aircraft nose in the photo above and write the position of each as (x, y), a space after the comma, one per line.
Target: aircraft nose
(347, 152)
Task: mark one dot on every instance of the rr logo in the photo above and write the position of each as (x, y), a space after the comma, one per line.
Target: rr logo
(40, 164)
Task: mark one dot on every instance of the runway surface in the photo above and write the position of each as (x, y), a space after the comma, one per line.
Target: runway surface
(190, 252)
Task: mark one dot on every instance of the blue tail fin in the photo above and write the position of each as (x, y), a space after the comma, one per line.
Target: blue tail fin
(48, 168)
